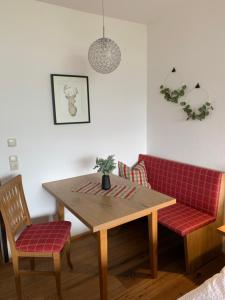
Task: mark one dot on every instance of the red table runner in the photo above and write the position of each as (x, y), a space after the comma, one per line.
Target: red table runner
(116, 191)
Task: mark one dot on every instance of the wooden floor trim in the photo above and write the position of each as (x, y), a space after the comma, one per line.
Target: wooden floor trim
(81, 236)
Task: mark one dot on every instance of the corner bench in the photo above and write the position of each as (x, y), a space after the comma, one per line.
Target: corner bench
(199, 209)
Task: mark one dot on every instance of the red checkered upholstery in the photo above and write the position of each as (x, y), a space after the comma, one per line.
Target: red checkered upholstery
(195, 187)
(46, 237)
(183, 219)
(137, 174)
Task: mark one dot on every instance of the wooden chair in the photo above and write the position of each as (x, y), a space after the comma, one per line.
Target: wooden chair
(34, 240)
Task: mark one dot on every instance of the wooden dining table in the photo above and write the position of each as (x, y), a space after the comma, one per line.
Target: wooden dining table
(102, 210)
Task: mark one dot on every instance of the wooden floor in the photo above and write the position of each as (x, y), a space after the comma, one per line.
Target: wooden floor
(128, 274)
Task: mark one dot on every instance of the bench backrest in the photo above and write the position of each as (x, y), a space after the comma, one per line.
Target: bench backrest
(191, 185)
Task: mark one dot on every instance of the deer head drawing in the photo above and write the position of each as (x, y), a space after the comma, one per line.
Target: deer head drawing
(70, 94)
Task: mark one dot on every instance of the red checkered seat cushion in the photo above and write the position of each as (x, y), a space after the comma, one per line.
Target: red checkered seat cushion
(46, 237)
(196, 190)
(183, 219)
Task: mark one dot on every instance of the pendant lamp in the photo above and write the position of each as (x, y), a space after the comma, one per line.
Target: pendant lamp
(104, 54)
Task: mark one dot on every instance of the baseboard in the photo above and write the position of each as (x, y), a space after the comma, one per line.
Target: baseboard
(80, 236)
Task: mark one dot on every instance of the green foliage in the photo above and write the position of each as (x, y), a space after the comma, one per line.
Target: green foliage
(172, 95)
(106, 166)
(201, 113)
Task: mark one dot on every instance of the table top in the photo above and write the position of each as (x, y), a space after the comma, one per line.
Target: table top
(104, 212)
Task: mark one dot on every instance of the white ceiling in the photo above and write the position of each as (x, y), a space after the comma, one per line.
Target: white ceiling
(141, 11)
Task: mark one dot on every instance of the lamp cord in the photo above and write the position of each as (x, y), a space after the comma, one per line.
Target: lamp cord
(103, 17)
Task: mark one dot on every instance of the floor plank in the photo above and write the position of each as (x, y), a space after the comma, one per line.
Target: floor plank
(129, 275)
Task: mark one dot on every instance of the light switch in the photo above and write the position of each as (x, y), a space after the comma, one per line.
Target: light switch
(11, 142)
(13, 163)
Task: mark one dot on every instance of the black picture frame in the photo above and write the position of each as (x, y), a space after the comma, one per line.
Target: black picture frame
(78, 86)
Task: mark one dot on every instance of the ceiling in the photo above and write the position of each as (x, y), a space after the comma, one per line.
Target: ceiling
(141, 11)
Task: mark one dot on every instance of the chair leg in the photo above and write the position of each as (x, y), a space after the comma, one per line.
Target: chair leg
(17, 277)
(68, 254)
(32, 264)
(57, 267)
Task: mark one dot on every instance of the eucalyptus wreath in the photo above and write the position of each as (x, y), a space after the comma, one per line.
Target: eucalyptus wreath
(174, 96)
(200, 114)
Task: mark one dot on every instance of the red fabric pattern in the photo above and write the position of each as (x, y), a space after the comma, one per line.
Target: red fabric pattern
(46, 237)
(137, 174)
(193, 186)
(117, 191)
(183, 219)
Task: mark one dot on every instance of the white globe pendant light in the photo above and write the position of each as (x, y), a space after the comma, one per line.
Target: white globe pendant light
(104, 54)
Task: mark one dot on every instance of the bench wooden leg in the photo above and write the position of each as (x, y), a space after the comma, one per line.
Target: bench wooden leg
(201, 246)
(187, 253)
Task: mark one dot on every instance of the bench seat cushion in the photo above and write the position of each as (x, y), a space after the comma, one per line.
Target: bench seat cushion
(183, 219)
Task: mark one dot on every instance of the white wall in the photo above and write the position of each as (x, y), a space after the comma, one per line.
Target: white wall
(38, 39)
(191, 38)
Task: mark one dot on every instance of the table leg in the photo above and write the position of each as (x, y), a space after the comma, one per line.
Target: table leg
(60, 210)
(103, 262)
(153, 241)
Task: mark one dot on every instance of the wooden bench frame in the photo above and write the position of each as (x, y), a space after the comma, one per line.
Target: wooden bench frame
(205, 243)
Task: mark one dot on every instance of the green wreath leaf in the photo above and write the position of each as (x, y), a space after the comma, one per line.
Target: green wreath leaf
(200, 114)
(172, 95)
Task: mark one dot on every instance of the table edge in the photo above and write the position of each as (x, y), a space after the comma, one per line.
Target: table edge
(116, 222)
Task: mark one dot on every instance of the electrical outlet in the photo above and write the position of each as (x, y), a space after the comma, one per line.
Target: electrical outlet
(11, 142)
(13, 163)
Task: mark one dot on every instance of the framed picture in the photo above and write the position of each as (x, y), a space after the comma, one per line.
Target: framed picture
(70, 98)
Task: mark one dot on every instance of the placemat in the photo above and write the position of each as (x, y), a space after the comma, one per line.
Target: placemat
(117, 191)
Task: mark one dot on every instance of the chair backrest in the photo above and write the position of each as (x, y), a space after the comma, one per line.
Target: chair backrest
(14, 208)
